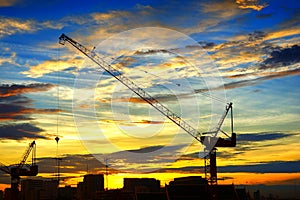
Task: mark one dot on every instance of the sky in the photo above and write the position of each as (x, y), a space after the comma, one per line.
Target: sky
(193, 57)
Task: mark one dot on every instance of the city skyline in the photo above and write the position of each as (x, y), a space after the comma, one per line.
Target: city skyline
(193, 57)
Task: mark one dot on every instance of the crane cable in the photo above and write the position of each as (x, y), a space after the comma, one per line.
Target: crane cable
(58, 113)
(179, 85)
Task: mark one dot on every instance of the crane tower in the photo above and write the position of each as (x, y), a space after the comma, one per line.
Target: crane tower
(208, 139)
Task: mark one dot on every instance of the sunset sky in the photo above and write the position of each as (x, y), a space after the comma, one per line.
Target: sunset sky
(192, 56)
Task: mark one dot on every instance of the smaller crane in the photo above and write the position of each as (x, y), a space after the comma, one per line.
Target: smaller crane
(16, 171)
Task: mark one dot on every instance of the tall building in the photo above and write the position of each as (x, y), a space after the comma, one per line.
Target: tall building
(91, 185)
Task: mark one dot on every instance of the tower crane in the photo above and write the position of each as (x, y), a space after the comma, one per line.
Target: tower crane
(208, 139)
(16, 171)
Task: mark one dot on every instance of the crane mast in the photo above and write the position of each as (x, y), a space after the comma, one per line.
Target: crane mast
(210, 142)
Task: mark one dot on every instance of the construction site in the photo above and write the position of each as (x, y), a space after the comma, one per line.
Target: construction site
(152, 99)
(206, 187)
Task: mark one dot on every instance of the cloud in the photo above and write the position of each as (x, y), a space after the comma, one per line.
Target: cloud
(253, 137)
(71, 163)
(10, 58)
(250, 4)
(281, 33)
(130, 123)
(252, 58)
(20, 131)
(131, 99)
(15, 108)
(15, 89)
(270, 167)
(7, 3)
(283, 57)
(217, 8)
(211, 14)
(146, 149)
(254, 81)
(15, 111)
(112, 15)
(246, 59)
(10, 26)
(148, 122)
(49, 66)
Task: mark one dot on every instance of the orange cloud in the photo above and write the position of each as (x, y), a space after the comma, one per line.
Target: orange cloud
(7, 3)
(131, 100)
(283, 33)
(23, 113)
(149, 122)
(250, 4)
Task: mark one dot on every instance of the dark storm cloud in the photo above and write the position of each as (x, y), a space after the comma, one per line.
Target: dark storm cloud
(81, 163)
(16, 89)
(18, 99)
(70, 164)
(20, 131)
(19, 107)
(146, 149)
(283, 57)
(15, 106)
(4, 178)
(244, 144)
(270, 167)
(253, 137)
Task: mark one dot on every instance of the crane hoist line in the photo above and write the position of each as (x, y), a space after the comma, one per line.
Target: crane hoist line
(208, 139)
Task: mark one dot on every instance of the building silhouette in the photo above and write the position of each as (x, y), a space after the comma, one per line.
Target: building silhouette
(66, 193)
(192, 187)
(256, 195)
(141, 185)
(33, 189)
(90, 187)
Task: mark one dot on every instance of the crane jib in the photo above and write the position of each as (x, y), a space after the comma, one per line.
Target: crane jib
(132, 86)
